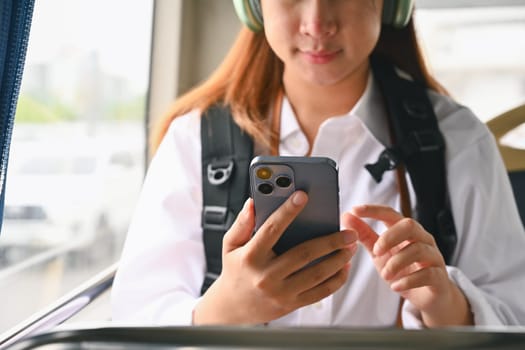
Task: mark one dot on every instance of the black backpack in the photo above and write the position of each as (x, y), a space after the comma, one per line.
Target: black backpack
(418, 145)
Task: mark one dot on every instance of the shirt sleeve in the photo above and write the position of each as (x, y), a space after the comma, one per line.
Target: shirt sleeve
(162, 265)
(489, 260)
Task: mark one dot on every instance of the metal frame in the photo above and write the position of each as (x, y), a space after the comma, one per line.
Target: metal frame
(62, 309)
(272, 338)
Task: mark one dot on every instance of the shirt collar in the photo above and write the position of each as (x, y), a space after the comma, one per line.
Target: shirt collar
(369, 110)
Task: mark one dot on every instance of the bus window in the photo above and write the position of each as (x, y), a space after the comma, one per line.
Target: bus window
(78, 149)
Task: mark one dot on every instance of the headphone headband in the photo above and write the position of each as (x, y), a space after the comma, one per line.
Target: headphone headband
(249, 12)
(396, 13)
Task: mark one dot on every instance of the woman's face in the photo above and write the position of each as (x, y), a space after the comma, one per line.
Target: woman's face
(322, 41)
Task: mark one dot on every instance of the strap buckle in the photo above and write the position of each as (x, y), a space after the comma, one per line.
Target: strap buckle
(428, 140)
(219, 172)
(388, 160)
(216, 218)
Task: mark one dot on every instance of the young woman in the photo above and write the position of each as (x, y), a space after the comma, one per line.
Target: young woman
(308, 74)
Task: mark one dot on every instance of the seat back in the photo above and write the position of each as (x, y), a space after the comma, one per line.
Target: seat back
(513, 157)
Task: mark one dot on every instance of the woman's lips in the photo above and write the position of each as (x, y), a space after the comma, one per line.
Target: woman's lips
(320, 57)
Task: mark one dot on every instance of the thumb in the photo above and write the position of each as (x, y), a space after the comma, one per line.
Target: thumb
(241, 230)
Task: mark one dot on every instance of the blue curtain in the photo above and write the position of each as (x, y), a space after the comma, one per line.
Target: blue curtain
(15, 22)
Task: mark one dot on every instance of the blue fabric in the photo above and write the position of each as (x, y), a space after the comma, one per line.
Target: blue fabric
(517, 180)
(15, 21)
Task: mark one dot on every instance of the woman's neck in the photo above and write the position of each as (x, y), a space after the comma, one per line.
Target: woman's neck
(313, 104)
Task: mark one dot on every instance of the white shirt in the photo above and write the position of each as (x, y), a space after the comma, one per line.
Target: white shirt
(163, 263)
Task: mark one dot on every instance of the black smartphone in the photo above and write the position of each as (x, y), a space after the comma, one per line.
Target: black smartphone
(274, 179)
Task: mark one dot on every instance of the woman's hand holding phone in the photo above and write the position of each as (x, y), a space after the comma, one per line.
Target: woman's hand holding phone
(257, 285)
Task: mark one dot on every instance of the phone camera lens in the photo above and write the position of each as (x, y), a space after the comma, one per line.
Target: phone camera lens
(265, 188)
(283, 181)
(264, 173)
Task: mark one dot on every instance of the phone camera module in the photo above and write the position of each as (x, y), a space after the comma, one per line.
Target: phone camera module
(283, 181)
(264, 173)
(265, 188)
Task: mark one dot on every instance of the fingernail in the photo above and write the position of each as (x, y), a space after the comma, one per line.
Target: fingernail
(355, 209)
(245, 205)
(377, 249)
(396, 286)
(349, 237)
(353, 248)
(299, 198)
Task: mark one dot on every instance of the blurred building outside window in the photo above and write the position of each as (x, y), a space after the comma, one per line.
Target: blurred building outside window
(77, 152)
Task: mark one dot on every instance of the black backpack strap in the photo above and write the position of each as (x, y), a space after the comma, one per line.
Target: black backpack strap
(226, 155)
(419, 145)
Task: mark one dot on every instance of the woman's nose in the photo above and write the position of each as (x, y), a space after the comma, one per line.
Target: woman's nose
(318, 19)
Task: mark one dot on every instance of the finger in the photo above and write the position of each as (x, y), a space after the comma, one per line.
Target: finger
(366, 235)
(422, 254)
(379, 212)
(306, 252)
(427, 277)
(326, 288)
(315, 274)
(273, 228)
(241, 230)
(404, 230)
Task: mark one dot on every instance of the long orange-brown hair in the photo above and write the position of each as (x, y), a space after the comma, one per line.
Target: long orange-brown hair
(250, 77)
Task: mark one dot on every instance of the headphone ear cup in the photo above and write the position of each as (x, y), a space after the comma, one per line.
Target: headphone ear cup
(249, 12)
(397, 13)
